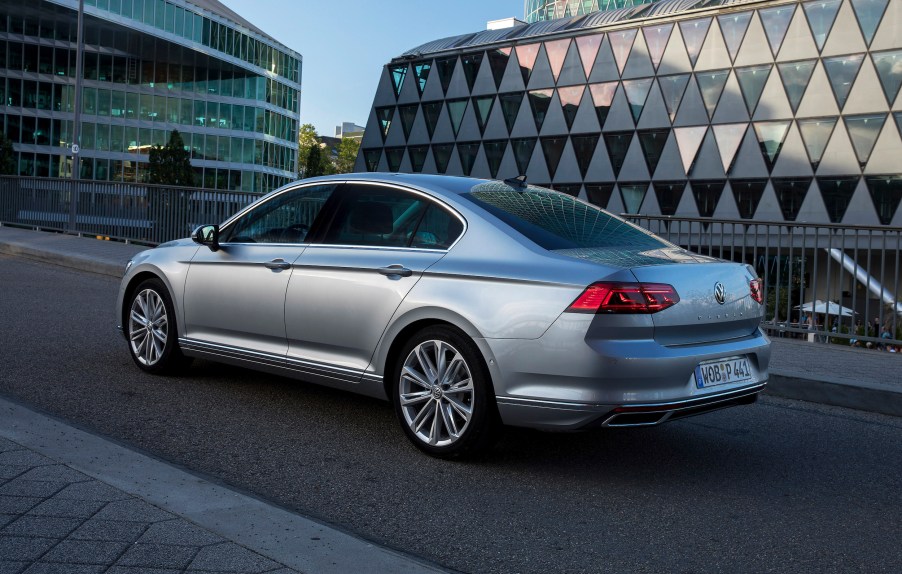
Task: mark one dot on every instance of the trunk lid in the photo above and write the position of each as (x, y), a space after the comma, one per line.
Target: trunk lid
(700, 316)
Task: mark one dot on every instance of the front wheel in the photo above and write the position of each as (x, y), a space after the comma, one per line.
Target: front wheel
(443, 395)
(151, 331)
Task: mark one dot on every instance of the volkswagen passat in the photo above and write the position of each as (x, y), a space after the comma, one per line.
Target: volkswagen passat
(469, 304)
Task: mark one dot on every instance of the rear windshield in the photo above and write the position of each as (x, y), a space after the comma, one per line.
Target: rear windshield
(556, 221)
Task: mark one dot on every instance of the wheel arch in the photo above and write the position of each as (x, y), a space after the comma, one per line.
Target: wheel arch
(403, 329)
(130, 287)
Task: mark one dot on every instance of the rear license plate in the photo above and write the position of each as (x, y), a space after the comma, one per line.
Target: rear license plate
(722, 372)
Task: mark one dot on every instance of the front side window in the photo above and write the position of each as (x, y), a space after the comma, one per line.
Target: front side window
(284, 219)
(379, 216)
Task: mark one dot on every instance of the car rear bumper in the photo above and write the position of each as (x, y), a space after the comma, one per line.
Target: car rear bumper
(550, 415)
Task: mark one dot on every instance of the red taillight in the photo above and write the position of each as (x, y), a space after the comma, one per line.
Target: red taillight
(756, 290)
(625, 298)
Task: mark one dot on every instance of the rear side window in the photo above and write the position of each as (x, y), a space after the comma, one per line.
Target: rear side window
(378, 216)
(556, 221)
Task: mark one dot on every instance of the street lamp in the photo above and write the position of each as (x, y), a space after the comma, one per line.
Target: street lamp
(76, 128)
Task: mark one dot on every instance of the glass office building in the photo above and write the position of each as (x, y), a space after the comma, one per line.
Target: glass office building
(150, 66)
(780, 110)
(540, 10)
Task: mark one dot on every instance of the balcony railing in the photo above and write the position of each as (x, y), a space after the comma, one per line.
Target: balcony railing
(824, 283)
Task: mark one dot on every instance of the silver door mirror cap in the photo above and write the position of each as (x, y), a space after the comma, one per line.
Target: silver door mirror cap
(207, 235)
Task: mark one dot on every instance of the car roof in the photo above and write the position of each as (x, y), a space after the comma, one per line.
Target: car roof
(439, 184)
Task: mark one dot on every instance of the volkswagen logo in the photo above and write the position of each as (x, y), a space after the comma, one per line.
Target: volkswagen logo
(720, 293)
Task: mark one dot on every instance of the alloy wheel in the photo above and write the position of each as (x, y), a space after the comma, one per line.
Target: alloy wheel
(148, 329)
(436, 393)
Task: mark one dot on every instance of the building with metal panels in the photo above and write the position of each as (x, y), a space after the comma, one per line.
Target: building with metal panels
(781, 110)
(150, 66)
(540, 10)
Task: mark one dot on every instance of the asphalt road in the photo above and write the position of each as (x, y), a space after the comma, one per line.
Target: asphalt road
(779, 486)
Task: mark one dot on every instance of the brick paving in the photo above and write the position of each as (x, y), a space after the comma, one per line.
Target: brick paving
(56, 520)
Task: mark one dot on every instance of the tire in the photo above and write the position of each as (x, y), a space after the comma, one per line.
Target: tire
(151, 331)
(440, 370)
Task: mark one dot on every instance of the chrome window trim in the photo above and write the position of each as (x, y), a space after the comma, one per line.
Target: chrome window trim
(295, 186)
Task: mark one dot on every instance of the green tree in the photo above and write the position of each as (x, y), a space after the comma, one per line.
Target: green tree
(314, 164)
(7, 156)
(171, 164)
(347, 155)
(307, 139)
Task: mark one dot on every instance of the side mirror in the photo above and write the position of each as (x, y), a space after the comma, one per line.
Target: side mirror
(207, 235)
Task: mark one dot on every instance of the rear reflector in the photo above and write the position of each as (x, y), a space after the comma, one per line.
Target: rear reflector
(756, 289)
(625, 298)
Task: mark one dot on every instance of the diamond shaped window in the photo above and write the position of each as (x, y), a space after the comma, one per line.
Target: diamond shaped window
(863, 130)
(795, 76)
(837, 193)
(372, 157)
(776, 23)
(707, 195)
(791, 194)
(771, 136)
(553, 147)
(467, 152)
(494, 153)
(431, 113)
(483, 106)
(417, 157)
(456, 110)
(445, 67)
(398, 73)
(618, 144)
(842, 71)
(421, 71)
(821, 14)
(584, 148)
(539, 101)
(602, 96)
(669, 194)
(498, 60)
(869, 13)
(747, 193)
(523, 148)
(816, 134)
(889, 69)
(442, 155)
(711, 85)
(694, 33)
(751, 82)
(636, 95)
(408, 115)
(886, 193)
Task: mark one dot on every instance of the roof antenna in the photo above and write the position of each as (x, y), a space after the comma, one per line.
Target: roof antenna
(518, 182)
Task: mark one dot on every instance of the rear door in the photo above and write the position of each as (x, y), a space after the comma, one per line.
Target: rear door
(348, 283)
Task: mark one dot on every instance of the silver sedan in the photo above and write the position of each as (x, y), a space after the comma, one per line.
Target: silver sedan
(469, 304)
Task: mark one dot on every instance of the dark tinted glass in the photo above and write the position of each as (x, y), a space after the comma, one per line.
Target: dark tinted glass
(283, 219)
(375, 216)
(556, 221)
(438, 229)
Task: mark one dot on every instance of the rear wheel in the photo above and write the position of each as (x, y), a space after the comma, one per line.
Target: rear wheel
(151, 330)
(443, 395)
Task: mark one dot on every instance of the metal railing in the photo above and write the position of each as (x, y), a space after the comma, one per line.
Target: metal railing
(140, 213)
(823, 283)
(826, 283)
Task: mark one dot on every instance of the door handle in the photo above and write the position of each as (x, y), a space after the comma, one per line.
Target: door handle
(399, 270)
(277, 264)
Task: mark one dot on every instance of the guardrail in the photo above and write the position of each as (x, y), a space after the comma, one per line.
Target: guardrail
(825, 283)
(140, 213)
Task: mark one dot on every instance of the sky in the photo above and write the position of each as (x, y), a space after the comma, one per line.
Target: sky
(346, 43)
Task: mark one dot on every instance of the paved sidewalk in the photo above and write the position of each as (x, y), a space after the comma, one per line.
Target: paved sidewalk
(73, 502)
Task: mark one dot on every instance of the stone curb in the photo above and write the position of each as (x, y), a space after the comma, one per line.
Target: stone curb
(863, 397)
(82, 263)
